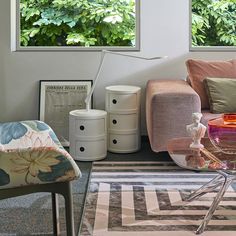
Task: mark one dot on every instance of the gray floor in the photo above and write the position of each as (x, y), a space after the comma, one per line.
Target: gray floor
(31, 214)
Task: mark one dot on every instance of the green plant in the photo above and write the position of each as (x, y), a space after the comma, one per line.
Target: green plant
(214, 22)
(77, 22)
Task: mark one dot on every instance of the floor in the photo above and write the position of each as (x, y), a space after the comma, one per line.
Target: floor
(16, 213)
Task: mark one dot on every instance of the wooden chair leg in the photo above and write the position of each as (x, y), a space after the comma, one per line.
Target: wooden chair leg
(55, 214)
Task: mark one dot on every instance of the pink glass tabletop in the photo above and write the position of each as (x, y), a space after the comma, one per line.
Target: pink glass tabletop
(208, 158)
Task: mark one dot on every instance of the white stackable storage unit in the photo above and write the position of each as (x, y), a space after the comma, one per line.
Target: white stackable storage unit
(88, 134)
(123, 110)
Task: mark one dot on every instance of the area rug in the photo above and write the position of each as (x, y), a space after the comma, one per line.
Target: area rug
(146, 198)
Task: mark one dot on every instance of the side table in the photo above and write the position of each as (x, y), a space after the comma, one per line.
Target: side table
(88, 134)
(123, 108)
(205, 159)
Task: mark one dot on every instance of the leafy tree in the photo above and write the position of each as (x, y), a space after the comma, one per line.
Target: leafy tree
(77, 22)
(214, 22)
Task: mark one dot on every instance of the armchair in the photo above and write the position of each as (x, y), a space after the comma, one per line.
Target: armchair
(33, 160)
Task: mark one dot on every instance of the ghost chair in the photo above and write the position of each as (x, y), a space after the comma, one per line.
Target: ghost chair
(33, 160)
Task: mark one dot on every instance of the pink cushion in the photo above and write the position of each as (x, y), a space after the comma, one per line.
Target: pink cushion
(198, 70)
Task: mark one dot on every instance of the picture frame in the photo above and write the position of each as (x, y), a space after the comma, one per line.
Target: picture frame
(57, 98)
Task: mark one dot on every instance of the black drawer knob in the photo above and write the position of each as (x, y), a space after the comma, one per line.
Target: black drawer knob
(82, 149)
(81, 127)
(114, 141)
(114, 101)
(114, 122)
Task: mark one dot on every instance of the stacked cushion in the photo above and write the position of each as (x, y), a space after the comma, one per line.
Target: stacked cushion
(199, 70)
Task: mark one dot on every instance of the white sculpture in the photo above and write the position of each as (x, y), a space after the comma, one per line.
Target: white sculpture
(196, 130)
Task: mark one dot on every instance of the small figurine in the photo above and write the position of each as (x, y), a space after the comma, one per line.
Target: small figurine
(196, 130)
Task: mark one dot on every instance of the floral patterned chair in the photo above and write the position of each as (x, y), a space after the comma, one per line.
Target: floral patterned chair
(33, 160)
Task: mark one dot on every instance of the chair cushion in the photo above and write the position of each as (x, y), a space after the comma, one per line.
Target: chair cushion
(221, 94)
(198, 70)
(30, 153)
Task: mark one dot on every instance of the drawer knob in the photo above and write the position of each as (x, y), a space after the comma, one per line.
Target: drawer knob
(114, 101)
(82, 149)
(114, 141)
(114, 122)
(81, 127)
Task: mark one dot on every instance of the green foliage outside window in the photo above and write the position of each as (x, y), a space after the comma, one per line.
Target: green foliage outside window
(213, 22)
(77, 23)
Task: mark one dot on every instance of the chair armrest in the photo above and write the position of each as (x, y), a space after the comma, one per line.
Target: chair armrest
(169, 108)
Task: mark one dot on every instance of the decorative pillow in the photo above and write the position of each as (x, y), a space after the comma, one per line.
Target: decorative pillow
(198, 70)
(221, 94)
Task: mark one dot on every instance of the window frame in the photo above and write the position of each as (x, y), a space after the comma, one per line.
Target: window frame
(15, 35)
(205, 48)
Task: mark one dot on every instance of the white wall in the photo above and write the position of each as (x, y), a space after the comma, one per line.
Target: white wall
(164, 31)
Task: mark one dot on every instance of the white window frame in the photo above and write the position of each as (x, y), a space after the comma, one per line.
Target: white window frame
(205, 48)
(15, 35)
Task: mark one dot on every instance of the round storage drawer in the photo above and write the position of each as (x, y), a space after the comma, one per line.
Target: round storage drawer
(122, 98)
(123, 121)
(123, 143)
(87, 123)
(89, 150)
(91, 127)
(122, 102)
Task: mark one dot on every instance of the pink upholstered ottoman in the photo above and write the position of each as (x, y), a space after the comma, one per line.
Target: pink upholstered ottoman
(169, 108)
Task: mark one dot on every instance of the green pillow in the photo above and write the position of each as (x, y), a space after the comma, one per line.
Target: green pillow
(221, 94)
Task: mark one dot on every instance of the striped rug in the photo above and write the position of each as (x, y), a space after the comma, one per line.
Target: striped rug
(146, 199)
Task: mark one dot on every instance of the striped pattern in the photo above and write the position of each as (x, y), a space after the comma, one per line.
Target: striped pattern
(146, 198)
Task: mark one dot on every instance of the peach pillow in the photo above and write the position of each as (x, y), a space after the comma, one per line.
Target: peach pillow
(198, 70)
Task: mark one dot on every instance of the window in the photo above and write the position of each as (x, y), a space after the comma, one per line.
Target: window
(213, 24)
(76, 24)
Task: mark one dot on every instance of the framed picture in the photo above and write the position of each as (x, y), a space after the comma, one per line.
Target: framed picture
(57, 98)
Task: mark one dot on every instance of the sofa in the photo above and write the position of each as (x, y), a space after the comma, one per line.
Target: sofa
(171, 102)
